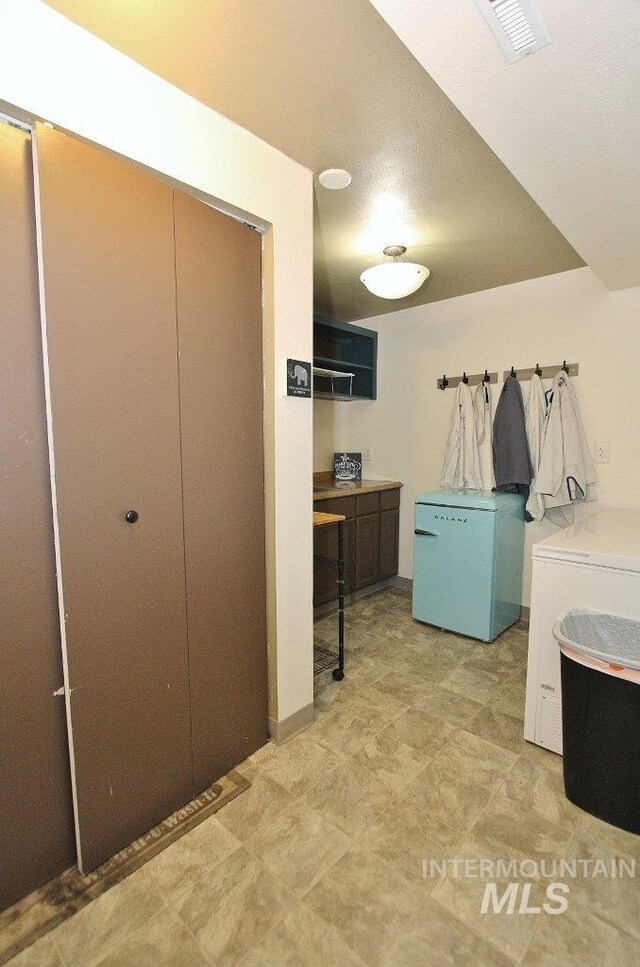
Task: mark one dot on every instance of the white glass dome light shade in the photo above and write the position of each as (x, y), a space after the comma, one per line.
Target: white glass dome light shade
(396, 279)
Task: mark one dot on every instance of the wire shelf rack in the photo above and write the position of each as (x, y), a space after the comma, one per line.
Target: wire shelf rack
(323, 659)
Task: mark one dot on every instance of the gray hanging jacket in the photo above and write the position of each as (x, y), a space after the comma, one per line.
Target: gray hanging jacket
(511, 462)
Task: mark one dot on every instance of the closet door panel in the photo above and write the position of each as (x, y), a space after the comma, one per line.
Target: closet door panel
(36, 818)
(218, 265)
(108, 257)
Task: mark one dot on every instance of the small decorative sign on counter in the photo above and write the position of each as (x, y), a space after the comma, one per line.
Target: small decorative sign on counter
(347, 466)
(298, 378)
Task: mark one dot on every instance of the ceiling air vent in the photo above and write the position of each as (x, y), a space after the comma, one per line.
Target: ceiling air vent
(516, 25)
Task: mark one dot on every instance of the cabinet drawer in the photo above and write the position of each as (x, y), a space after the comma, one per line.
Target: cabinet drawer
(337, 505)
(389, 499)
(367, 504)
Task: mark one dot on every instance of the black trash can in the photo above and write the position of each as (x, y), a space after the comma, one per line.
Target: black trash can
(600, 669)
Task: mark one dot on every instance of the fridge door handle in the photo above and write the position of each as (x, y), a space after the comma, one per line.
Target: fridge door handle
(426, 533)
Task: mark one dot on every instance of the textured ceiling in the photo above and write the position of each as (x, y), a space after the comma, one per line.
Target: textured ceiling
(330, 84)
(566, 119)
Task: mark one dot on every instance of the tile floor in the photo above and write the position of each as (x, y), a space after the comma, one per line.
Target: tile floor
(417, 754)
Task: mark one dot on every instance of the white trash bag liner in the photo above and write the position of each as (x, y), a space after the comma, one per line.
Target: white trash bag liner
(606, 637)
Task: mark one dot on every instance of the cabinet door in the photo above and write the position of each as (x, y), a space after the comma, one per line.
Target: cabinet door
(349, 556)
(36, 818)
(108, 262)
(220, 340)
(325, 544)
(367, 550)
(389, 536)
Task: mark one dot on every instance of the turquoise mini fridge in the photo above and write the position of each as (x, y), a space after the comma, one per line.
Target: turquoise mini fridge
(467, 566)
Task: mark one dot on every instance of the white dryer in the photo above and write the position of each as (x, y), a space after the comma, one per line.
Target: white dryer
(592, 564)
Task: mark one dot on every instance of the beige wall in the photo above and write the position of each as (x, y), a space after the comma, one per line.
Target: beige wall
(328, 424)
(54, 70)
(567, 316)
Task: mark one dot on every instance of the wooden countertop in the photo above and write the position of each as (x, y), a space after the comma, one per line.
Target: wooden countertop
(330, 489)
(321, 520)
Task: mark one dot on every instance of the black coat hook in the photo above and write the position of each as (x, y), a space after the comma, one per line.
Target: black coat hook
(445, 381)
(513, 373)
(538, 371)
(465, 378)
(486, 378)
(565, 367)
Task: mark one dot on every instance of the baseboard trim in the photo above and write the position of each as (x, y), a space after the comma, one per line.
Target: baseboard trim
(331, 606)
(286, 728)
(404, 584)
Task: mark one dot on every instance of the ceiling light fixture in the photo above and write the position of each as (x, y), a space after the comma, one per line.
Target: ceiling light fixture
(334, 178)
(397, 278)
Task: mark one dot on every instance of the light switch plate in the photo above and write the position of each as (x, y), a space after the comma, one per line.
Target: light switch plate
(601, 452)
(367, 453)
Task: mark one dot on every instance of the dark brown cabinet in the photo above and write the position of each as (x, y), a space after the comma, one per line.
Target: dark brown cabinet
(350, 556)
(340, 347)
(367, 550)
(370, 542)
(389, 537)
(326, 545)
(389, 532)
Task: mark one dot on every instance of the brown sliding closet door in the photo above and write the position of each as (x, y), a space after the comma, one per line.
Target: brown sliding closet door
(220, 335)
(108, 258)
(36, 819)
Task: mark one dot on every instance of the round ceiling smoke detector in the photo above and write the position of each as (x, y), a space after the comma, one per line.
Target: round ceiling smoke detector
(334, 178)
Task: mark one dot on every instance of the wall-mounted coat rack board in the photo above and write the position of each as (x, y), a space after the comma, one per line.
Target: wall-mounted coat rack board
(544, 372)
(450, 382)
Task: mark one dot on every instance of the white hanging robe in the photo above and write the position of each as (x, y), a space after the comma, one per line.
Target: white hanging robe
(461, 468)
(566, 472)
(535, 424)
(482, 415)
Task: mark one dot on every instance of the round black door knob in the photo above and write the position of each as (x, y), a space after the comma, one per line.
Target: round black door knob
(131, 516)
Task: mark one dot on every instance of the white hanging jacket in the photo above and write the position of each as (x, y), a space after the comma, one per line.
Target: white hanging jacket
(461, 469)
(535, 415)
(482, 415)
(566, 472)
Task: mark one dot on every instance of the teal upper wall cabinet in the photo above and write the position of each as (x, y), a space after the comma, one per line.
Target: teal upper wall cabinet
(344, 360)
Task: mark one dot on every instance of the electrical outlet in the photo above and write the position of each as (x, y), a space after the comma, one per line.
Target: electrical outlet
(367, 453)
(601, 452)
